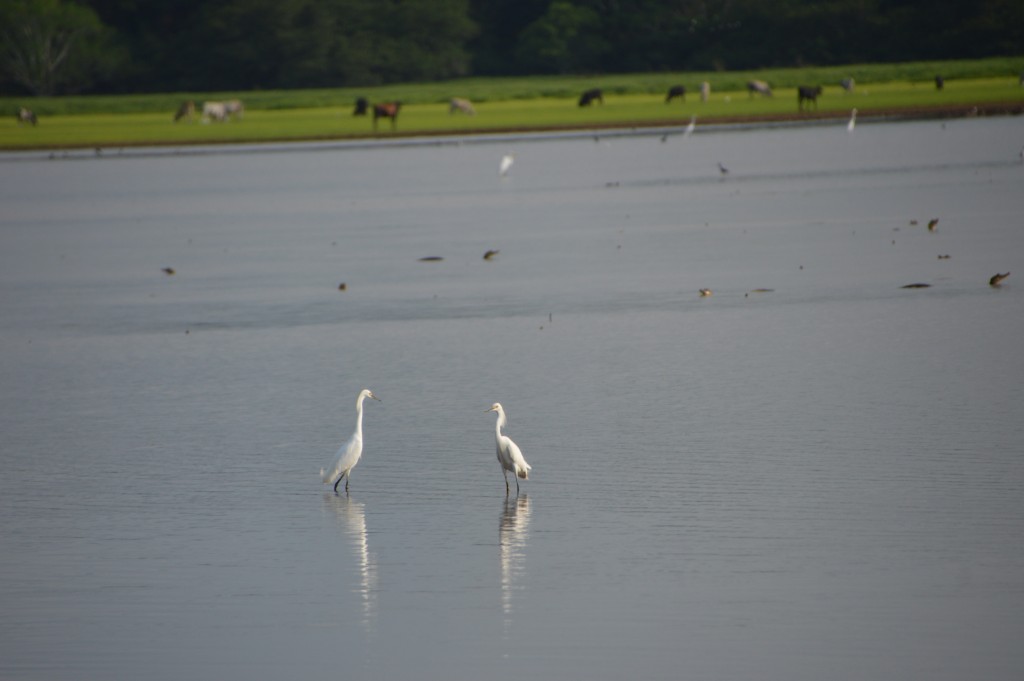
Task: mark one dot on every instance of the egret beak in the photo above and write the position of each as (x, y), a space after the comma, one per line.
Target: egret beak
(491, 409)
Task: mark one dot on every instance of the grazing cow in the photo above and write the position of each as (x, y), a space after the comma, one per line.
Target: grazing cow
(361, 106)
(214, 111)
(234, 109)
(27, 116)
(463, 105)
(939, 82)
(592, 95)
(386, 110)
(760, 87)
(847, 84)
(705, 91)
(676, 91)
(187, 108)
(809, 94)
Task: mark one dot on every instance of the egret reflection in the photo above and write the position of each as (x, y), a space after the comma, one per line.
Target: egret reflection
(512, 537)
(352, 517)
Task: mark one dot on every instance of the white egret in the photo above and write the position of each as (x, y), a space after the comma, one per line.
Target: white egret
(690, 127)
(853, 121)
(351, 451)
(506, 164)
(509, 456)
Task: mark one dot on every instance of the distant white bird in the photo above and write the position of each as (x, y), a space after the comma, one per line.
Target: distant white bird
(506, 164)
(509, 456)
(853, 121)
(351, 451)
(690, 127)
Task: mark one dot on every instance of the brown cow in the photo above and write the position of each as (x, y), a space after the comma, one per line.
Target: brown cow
(386, 110)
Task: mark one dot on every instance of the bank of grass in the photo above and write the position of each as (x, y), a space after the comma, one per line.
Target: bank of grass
(508, 104)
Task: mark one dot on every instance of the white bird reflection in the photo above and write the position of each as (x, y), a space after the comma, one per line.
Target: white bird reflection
(512, 536)
(352, 518)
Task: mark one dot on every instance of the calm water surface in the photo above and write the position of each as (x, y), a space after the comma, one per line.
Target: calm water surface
(820, 481)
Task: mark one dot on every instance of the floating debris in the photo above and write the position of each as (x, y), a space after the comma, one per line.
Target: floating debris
(704, 292)
(167, 270)
(945, 257)
(997, 279)
(916, 286)
(490, 254)
(431, 258)
(932, 223)
(342, 286)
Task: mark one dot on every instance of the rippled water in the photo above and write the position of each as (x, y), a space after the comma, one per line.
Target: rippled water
(821, 480)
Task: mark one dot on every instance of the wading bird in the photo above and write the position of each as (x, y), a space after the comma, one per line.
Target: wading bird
(348, 455)
(506, 164)
(853, 121)
(509, 456)
(690, 127)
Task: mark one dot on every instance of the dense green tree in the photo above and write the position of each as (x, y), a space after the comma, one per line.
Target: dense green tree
(566, 39)
(49, 47)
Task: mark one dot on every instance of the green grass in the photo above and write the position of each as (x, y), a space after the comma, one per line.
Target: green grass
(507, 103)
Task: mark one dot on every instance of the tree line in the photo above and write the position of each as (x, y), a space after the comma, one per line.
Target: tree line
(118, 46)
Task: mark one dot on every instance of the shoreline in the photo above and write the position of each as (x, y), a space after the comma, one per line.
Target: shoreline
(494, 135)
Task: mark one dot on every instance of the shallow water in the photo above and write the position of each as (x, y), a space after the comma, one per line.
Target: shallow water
(823, 480)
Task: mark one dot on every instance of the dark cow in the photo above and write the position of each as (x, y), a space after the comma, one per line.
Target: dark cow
(760, 87)
(676, 91)
(361, 106)
(591, 96)
(939, 82)
(386, 110)
(808, 94)
(186, 110)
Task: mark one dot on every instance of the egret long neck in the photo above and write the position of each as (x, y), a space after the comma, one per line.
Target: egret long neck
(359, 417)
(499, 424)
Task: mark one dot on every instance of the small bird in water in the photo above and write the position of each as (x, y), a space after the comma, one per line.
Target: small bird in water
(932, 223)
(342, 286)
(489, 255)
(997, 279)
(506, 164)
(704, 292)
(351, 451)
(509, 456)
(168, 271)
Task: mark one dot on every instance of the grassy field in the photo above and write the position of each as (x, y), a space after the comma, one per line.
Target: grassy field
(507, 104)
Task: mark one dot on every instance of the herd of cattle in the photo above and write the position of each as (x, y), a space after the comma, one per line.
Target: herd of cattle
(234, 109)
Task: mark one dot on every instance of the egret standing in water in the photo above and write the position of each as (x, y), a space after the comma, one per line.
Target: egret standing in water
(853, 121)
(690, 127)
(509, 456)
(348, 455)
(506, 164)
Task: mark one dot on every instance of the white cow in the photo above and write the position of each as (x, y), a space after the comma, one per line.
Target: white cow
(463, 105)
(214, 111)
(234, 108)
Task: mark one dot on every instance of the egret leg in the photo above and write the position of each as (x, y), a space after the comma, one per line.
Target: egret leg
(517, 485)
(505, 473)
(337, 483)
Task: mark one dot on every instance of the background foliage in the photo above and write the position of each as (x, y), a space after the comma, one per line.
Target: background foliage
(121, 46)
